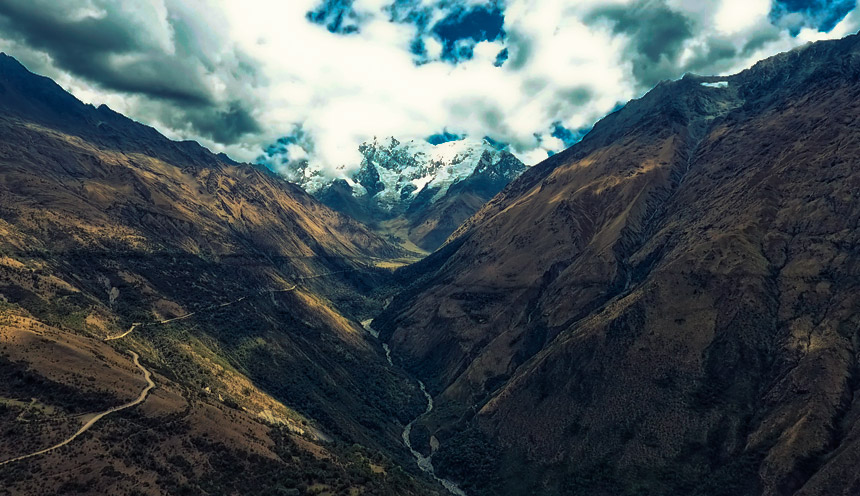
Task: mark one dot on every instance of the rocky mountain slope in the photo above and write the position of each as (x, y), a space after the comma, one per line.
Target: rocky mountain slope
(415, 192)
(668, 307)
(249, 292)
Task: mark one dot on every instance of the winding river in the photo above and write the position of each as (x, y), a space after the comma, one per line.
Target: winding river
(425, 463)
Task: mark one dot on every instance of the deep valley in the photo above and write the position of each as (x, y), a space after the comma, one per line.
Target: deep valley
(669, 306)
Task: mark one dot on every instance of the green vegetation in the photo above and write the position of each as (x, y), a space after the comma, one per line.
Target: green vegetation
(470, 457)
(276, 340)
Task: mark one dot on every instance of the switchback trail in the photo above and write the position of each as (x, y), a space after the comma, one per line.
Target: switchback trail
(84, 428)
(146, 373)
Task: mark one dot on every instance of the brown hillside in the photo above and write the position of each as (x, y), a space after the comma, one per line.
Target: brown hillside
(104, 223)
(668, 307)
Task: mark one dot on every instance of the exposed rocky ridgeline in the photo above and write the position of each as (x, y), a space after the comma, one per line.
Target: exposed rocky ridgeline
(671, 306)
(414, 191)
(249, 292)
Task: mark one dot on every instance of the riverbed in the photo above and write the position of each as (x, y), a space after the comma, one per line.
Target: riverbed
(425, 463)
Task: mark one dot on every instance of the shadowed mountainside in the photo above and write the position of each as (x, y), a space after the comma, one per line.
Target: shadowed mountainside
(668, 307)
(104, 222)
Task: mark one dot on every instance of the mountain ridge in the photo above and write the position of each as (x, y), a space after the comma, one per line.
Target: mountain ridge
(668, 307)
(650, 277)
(415, 192)
(105, 223)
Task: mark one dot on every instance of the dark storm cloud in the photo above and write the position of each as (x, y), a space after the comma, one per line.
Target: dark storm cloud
(85, 46)
(117, 48)
(575, 96)
(223, 126)
(759, 39)
(657, 35)
(520, 49)
(568, 101)
(707, 58)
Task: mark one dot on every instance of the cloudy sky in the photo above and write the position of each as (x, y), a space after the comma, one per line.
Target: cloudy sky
(325, 75)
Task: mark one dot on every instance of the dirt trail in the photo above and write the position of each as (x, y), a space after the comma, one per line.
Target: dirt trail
(146, 373)
(210, 307)
(149, 385)
(126, 333)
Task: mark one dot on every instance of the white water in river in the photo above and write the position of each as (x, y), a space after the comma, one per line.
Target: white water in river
(425, 463)
(387, 353)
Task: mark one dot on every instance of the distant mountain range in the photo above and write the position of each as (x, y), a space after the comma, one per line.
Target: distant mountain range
(415, 192)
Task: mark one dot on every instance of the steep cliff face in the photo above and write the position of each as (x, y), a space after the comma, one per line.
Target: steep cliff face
(669, 305)
(416, 192)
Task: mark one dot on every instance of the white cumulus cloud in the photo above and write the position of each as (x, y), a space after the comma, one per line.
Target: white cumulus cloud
(238, 74)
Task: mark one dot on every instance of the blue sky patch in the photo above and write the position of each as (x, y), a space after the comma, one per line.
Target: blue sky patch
(410, 11)
(337, 16)
(498, 145)
(444, 137)
(501, 58)
(568, 136)
(419, 49)
(277, 154)
(460, 30)
(459, 27)
(822, 15)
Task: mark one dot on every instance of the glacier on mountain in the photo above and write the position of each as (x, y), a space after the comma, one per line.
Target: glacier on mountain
(395, 172)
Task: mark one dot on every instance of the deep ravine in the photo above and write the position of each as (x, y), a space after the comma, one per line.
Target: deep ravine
(425, 463)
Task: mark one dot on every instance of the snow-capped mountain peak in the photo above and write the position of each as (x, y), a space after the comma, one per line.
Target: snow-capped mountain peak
(393, 172)
(416, 180)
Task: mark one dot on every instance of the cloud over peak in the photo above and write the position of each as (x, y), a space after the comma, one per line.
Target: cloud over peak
(327, 75)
